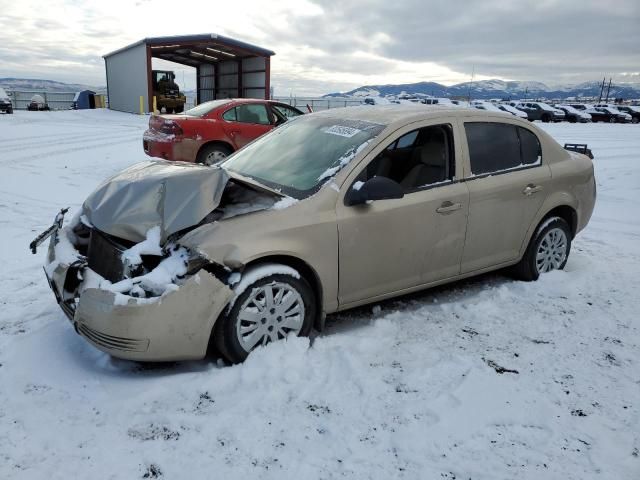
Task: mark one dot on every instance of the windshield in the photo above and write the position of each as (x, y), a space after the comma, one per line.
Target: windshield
(205, 108)
(301, 155)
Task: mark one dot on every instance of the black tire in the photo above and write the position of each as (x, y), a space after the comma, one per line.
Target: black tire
(179, 109)
(225, 337)
(612, 120)
(572, 119)
(168, 110)
(207, 154)
(546, 118)
(594, 120)
(634, 120)
(527, 268)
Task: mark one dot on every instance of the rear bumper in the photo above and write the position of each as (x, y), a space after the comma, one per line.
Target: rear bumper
(170, 148)
(176, 326)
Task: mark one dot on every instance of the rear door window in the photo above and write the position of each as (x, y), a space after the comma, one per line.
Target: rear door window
(497, 147)
(252, 113)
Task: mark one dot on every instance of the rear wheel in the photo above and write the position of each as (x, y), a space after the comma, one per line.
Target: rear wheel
(213, 154)
(634, 120)
(548, 250)
(266, 311)
(612, 120)
(572, 119)
(546, 118)
(179, 109)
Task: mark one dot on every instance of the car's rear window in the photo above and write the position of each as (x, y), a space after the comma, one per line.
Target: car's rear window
(497, 147)
(205, 108)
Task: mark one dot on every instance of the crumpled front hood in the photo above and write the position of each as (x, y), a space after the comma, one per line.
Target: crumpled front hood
(171, 195)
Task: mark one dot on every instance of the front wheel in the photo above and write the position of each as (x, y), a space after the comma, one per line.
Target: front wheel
(612, 120)
(266, 311)
(548, 250)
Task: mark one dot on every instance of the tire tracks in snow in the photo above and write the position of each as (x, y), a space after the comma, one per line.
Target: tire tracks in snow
(88, 146)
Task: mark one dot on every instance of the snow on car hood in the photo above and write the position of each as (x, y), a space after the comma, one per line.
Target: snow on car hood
(171, 195)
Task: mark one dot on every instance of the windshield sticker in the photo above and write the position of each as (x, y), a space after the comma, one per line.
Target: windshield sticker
(342, 131)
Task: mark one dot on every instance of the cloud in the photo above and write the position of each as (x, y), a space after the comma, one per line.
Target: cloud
(332, 45)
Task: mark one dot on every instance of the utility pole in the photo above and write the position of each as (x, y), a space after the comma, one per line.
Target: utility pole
(473, 71)
(601, 89)
(608, 89)
(526, 89)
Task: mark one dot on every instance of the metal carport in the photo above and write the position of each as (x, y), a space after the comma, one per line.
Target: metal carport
(225, 68)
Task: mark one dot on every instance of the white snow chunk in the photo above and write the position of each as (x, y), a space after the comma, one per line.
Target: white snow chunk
(284, 203)
(342, 161)
(149, 246)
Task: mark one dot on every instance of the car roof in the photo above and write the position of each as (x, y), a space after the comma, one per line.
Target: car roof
(404, 114)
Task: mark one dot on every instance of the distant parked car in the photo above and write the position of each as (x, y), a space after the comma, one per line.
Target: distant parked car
(482, 105)
(437, 101)
(597, 114)
(461, 103)
(212, 131)
(540, 111)
(5, 102)
(634, 111)
(37, 104)
(613, 115)
(626, 116)
(573, 115)
(512, 110)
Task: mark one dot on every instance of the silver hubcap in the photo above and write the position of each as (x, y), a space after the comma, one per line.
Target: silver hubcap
(215, 157)
(552, 251)
(270, 313)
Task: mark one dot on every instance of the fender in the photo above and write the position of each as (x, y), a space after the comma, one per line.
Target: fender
(555, 200)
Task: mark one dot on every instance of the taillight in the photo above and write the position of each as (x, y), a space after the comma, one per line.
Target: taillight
(164, 125)
(171, 128)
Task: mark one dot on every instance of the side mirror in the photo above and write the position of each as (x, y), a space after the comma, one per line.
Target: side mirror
(376, 188)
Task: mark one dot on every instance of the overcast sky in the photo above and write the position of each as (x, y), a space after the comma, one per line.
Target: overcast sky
(336, 45)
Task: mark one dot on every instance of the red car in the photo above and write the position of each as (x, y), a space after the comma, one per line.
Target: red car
(211, 131)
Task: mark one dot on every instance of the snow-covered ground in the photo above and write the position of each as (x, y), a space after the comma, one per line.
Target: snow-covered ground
(411, 388)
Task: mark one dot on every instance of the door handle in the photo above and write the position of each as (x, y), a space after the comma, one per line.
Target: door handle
(448, 207)
(531, 189)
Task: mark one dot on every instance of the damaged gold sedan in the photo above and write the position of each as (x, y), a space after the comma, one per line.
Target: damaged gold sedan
(330, 211)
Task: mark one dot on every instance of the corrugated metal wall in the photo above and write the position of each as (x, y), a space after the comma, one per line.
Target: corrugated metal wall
(227, 79)
(253, 82)
(127, 79)
(206, 83)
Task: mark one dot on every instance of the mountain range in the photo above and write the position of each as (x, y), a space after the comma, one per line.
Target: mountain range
(45, 85)
(486, 89)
